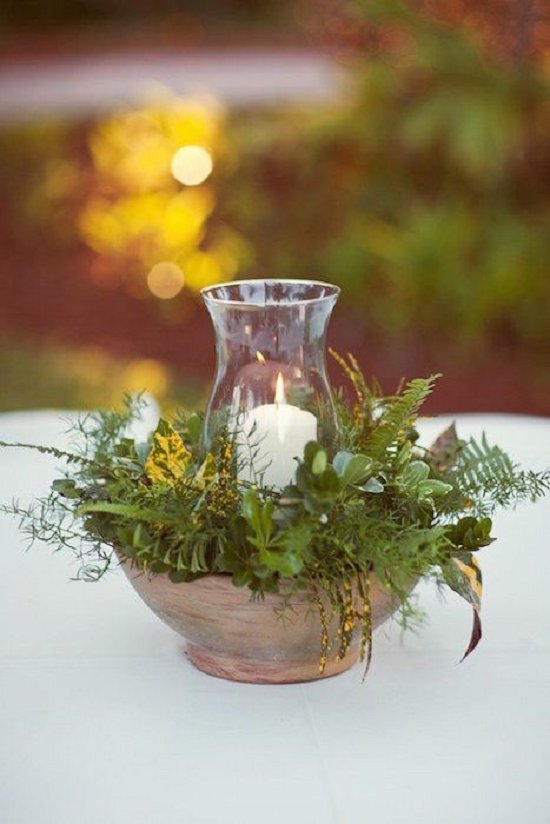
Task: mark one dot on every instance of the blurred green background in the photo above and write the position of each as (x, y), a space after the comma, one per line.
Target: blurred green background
(418, 182)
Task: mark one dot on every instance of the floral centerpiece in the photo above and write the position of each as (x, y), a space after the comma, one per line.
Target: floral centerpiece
(278, 571)
(382, 505)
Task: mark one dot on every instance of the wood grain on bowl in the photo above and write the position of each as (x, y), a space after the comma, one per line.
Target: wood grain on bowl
(273, 640)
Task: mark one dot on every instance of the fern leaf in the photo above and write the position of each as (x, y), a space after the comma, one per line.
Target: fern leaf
(398, 416)
(487, 473)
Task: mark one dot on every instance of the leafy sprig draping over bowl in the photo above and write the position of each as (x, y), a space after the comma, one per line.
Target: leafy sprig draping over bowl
(382, 505)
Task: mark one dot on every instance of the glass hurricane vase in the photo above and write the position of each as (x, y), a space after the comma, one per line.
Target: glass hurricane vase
(271, 393)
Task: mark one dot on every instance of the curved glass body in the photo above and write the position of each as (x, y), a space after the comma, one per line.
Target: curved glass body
(271, 388)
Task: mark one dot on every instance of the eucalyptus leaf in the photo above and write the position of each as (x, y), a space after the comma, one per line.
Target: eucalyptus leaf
(373, 486)
(414, 473)
(432, 487)
(341, 460)
(403, 457)
(357, 468)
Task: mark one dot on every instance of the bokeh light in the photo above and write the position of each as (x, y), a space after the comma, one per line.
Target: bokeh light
(191, 165)
(135, 211)
(165, 280)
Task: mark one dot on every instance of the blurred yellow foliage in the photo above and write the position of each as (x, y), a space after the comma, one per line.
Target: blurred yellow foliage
(149, 225)
(145, 374)
(94, 371)
(138, 214)
(78, 378)
(133, 150)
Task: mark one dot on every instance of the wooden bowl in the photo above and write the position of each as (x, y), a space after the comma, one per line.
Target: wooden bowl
(271, 641)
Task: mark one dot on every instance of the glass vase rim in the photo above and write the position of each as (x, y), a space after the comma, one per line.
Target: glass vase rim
(210, 299)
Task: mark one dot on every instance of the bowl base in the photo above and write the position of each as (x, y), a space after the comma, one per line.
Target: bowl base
(252, 671)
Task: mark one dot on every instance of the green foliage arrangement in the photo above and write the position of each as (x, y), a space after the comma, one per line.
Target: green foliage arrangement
(382, 505)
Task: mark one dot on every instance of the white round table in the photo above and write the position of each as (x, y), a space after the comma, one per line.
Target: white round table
(103, 720)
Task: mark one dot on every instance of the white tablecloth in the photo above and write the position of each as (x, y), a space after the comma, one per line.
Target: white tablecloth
(104, 721)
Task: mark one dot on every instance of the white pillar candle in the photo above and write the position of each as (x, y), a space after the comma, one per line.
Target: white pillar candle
(270, 437)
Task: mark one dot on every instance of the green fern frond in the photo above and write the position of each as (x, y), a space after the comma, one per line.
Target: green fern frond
(398, 417)
(487, 473)
(479, 463)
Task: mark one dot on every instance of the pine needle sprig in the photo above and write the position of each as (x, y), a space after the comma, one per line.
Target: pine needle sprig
(366, 397)
(50, 521)
(351, 369)
(68, 457)
(96, 433)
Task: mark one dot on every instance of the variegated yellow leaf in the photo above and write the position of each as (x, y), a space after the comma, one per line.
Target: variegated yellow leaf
(463, 574)
(168, 459)
(206, 472)
(472, 588)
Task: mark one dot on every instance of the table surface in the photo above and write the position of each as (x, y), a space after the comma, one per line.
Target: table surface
(102, 718)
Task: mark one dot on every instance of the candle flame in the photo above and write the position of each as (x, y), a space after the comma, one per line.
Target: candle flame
(259, 357)
(280, 396)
